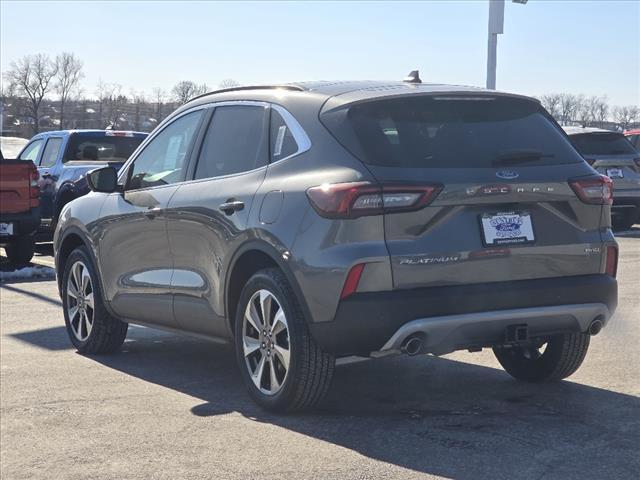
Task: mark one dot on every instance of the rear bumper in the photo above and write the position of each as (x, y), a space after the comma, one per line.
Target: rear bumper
(23, 223)
(367, 322)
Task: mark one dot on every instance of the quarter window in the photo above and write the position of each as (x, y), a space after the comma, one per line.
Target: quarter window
(163, 160)
(235, 142)
(283, 144)
(31, 151)
(51, 150)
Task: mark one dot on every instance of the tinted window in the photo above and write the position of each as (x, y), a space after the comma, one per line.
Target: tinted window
(282, 142)
(235, 142)
(100, 146)
(163, 160)
(635, 139)
(602, 143)
(50, 154)
(452, 132)
(32, 150)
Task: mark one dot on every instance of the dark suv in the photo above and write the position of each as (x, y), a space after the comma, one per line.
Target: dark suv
(311, 221)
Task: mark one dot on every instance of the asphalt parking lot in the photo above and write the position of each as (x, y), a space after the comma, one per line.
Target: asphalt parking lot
(172, 407)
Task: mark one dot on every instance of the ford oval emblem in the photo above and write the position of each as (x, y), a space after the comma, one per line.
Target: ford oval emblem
(507, 174)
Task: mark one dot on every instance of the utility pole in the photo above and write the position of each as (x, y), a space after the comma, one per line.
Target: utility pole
(496, 27)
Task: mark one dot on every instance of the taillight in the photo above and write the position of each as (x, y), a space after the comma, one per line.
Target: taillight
(611, 265)
(357, 199)
(596, 190)
(34, 190)
(353, 278)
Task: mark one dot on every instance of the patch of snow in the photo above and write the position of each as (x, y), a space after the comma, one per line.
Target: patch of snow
(11, 146)
(25, 273)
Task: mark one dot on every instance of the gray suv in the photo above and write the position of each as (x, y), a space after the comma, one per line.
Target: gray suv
(306, 222)
(612, 154)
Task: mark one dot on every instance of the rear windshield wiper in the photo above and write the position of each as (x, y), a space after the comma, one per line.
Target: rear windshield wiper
(518, 156)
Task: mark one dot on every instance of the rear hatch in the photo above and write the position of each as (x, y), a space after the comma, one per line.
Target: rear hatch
(496, 173)
(611, 154)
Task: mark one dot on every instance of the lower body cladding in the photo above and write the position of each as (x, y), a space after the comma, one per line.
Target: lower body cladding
(440, 320)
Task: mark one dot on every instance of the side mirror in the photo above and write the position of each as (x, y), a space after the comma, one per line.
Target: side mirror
(103, 179)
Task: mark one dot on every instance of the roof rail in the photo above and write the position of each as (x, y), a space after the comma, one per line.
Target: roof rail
(295, 88)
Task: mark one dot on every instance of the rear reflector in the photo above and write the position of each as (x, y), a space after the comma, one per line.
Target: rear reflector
(357, 199)
(351, 283)
(596, 190)
(611, 266)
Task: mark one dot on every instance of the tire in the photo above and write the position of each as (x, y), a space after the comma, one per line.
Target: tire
(21, 250)
(96, 332)
(306, 378)
(561, 358)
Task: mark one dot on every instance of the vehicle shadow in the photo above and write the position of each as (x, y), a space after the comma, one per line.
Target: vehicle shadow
(431, 415)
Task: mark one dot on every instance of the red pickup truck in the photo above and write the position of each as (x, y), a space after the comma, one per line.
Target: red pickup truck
(19, 209)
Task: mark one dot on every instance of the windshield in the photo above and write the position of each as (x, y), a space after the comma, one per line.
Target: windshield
(100, 147)
(451, 132)
(602, 144)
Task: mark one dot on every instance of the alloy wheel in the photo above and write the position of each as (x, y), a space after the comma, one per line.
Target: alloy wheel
(265, 342)
(80, 301)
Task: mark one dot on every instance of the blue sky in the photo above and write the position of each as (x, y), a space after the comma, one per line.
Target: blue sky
(548, 46)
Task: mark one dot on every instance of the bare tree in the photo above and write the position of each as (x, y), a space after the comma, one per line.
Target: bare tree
(569, 104)
(67, 79)
(139, 101)
(159, 96)
(551, 102)
(228, 83)
(601, 109)
(32, 77)
(626, 115)
(184, 90)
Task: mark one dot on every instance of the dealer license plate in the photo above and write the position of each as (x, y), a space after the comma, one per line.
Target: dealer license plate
(507, 228)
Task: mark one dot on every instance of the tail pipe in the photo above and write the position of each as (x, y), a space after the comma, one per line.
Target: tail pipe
(595, 327)
(412, 345)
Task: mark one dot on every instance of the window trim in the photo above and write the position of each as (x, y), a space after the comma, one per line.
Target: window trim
(48, 139)
(125, 171)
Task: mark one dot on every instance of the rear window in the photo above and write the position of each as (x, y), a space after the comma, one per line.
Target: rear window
(99, 147)
(451, 132)
(602, 143)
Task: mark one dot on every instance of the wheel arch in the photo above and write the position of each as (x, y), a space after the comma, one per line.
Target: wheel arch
(250, 258)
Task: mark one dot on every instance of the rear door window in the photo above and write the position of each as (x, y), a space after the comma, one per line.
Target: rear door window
(604, 143)
(51, 150)
(32, 150)
(235, 142)
(98, 146)
(451, 132)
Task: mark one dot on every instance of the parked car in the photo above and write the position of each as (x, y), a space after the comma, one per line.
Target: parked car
(19, 209)
(611, 154)
(634, 137)
(64, 157)
(311, 221)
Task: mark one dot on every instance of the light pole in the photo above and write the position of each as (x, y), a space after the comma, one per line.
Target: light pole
(496, 27)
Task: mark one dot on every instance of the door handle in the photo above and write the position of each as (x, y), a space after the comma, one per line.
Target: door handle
(231, 206)
(152, 213)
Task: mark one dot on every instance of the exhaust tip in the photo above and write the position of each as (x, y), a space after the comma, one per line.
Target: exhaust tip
(595, 327)
(412, 345)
